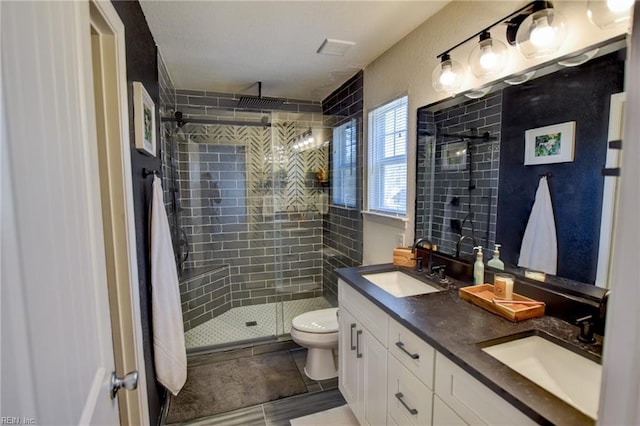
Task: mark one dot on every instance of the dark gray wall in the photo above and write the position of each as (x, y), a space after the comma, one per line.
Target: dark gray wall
(142, 66)
(343, 226)
(580, 94)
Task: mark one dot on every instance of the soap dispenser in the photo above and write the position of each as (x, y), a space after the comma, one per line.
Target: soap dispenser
(478, 267)
(495, 262)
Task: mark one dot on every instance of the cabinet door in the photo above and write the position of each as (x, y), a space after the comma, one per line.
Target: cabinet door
(374, 383)
(369, 315)
(445, 416)
(347, 361)
(471, 400)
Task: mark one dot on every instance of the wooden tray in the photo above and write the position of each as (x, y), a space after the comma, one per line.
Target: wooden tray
(482, 295)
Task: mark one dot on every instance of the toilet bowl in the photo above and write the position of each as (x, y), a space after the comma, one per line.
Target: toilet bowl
(318, 332)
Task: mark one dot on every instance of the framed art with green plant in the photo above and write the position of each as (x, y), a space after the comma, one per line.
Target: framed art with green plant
(550, 144)
(144, 114)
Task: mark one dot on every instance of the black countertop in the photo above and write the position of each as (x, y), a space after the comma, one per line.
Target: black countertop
(455, 327)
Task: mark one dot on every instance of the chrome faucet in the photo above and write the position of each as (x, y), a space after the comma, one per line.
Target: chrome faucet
(460, 240)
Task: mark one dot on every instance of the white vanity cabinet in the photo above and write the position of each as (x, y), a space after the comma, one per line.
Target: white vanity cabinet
(388, 375)
(362, 357)
(470, 401)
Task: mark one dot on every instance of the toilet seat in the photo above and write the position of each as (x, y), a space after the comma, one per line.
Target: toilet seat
(322, 321)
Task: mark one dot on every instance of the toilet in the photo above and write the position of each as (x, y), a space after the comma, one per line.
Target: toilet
(318, 332)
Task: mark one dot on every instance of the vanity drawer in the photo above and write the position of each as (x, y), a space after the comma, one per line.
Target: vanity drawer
(409, 401)
(369, 315)
(413, 352)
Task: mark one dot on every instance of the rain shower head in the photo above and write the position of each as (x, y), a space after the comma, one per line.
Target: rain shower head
(258, 102)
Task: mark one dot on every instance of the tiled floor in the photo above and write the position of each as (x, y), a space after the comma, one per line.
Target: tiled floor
(320, 396)
(231, 327)
(276, 413)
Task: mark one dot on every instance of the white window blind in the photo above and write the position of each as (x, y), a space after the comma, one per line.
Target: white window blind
(344, 164)
(387, 159)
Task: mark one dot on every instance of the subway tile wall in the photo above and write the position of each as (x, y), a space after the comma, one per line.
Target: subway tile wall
(167, 149)
(343, 226)
(249, 201)
(466, 193)
(205, 296)
(267, 245)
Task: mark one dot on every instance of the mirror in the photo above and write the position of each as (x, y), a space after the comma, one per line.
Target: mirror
(473, 187)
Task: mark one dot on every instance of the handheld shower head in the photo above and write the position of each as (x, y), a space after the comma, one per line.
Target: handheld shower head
(179, 121)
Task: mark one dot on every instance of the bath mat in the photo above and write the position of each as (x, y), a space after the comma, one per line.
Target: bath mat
(218, 387)
(342, 416)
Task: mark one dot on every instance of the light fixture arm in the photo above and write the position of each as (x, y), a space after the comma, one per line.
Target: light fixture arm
(512, 20)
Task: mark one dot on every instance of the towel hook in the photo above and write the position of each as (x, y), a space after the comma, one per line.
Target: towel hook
(146, 172)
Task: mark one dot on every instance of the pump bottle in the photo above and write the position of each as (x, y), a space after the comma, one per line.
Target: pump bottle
(478, 267)
(495, 262)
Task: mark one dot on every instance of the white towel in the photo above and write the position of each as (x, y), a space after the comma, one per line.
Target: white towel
(539, 249)
(323, 203)
(170, 353)
(267, 205)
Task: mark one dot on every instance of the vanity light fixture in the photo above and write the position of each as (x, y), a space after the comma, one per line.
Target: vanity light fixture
(542, 32)
(448, 76)
(580, 59)
(536, 29)
(519, 79)
(478, 93)
(610, 13)
(488, 57)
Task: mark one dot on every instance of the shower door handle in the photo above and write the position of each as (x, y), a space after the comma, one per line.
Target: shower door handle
(353, 347)
(358, 354)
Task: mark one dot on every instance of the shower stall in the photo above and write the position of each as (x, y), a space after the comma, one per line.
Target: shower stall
(245, 202)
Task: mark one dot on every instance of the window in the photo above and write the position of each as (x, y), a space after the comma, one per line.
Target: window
(344, 164)
(387, 166)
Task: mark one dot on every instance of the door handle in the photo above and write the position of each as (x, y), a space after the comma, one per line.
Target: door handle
(353, 347)
(128, 382)
(358, 354)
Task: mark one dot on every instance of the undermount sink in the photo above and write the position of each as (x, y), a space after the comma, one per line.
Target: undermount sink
(399, 284)
(571, 377)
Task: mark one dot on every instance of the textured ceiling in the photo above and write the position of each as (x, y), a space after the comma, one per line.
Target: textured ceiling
(227, 46)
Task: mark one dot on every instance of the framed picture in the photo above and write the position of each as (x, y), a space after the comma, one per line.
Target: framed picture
(144, 115)
(550, 144)
(454, 156)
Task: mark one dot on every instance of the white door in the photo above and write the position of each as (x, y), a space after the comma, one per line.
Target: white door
(57, 354)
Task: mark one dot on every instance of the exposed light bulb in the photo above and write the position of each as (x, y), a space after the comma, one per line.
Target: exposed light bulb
(541, 33)
(618, 6)
(488, 58)
(447, 77)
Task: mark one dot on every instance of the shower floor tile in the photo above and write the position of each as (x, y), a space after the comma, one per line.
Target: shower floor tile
(232, 327)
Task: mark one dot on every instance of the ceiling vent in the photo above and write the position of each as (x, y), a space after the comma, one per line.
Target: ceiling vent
(335, 47)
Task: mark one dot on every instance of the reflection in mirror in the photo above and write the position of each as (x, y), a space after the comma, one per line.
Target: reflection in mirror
(473, 187)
